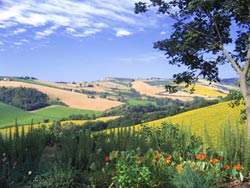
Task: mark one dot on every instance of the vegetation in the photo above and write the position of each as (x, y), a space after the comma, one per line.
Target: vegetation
(202, 30)
(24, 98)
(211, 118)
(151, 157)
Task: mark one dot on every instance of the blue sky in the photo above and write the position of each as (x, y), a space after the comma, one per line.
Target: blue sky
(82, 40)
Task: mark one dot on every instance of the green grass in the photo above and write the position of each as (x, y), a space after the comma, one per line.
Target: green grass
(136, 102)
(58, 112)
(9, 114)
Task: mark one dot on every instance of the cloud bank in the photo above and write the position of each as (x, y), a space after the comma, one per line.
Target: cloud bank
(40, 19)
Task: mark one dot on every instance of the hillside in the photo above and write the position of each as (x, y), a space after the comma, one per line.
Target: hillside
(70, 98)
(212, 117)
(9, 114)
(156, 88)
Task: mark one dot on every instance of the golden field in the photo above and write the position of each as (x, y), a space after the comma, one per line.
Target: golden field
(212, 117)
(72, 99)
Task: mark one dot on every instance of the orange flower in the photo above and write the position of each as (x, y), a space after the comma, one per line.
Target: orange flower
(213, 160)
(227, 167)
(168, 157)
(201, 156)
(157, 156)
(179, 168)
(238, 166)
(107, 158)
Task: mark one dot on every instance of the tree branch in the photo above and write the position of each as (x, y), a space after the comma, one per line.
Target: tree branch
(247, 65)
(229, 57)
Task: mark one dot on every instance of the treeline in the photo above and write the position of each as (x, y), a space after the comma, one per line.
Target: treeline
(24, 98)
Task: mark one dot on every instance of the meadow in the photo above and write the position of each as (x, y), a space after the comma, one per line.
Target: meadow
(10, 115)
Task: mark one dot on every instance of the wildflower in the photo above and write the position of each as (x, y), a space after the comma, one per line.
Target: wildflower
(107, 158)
(168, 159)
(213, 160)
(179, 167)
(227, 167)
(139, 160)
(238, 167)
(157, 156)
(30, 172)
(201, 156)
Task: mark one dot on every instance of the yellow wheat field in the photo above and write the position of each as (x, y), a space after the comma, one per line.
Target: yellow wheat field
(212, 117)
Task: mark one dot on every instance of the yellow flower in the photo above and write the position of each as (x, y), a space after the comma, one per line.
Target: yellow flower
(179, 167)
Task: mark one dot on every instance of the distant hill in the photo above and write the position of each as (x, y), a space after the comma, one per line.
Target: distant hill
(229, 81)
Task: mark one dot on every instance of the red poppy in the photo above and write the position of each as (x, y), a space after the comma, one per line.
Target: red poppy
(238, 167)
(201, 156)
(107, 158)
(227, 167)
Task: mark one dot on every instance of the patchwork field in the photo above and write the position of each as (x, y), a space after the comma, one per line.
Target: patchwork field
(72, 99)
(207, 92)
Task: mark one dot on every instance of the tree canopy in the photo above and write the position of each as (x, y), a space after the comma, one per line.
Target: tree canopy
(206, 34)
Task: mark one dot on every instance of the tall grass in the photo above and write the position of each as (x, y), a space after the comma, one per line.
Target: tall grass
(45, 153)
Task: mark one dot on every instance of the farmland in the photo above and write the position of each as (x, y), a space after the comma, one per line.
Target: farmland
(10, 114)
(212, 118)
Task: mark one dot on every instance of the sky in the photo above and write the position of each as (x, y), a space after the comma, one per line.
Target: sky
(83, 40)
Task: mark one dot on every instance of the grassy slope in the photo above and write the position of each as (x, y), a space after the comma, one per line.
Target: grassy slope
(212, 117)
(135, 102)
(8, 114)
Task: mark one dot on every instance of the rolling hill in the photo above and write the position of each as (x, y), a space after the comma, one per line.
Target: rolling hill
(70, 98)
(212, 118)
(9, 114)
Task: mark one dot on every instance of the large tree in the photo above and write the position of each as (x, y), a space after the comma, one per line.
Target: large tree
(206, 34)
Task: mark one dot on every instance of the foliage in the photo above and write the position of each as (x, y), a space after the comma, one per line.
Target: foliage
(129, 173)
(191, 178)
(202, 27)
(167, 156)
(24, 98)
(201, 32)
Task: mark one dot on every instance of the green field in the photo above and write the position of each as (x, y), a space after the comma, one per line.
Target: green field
(9, 114)
(135, 102)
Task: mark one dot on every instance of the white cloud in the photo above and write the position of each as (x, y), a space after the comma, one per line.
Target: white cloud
(122, 33)
(163, 33)
(80, 18)
(45, 33)
(19, 30)
(18, 43)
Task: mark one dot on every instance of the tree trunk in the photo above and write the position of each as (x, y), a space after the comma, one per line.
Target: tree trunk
(246, 96)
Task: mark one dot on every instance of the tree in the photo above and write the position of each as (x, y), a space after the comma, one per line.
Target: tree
(206, 34)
